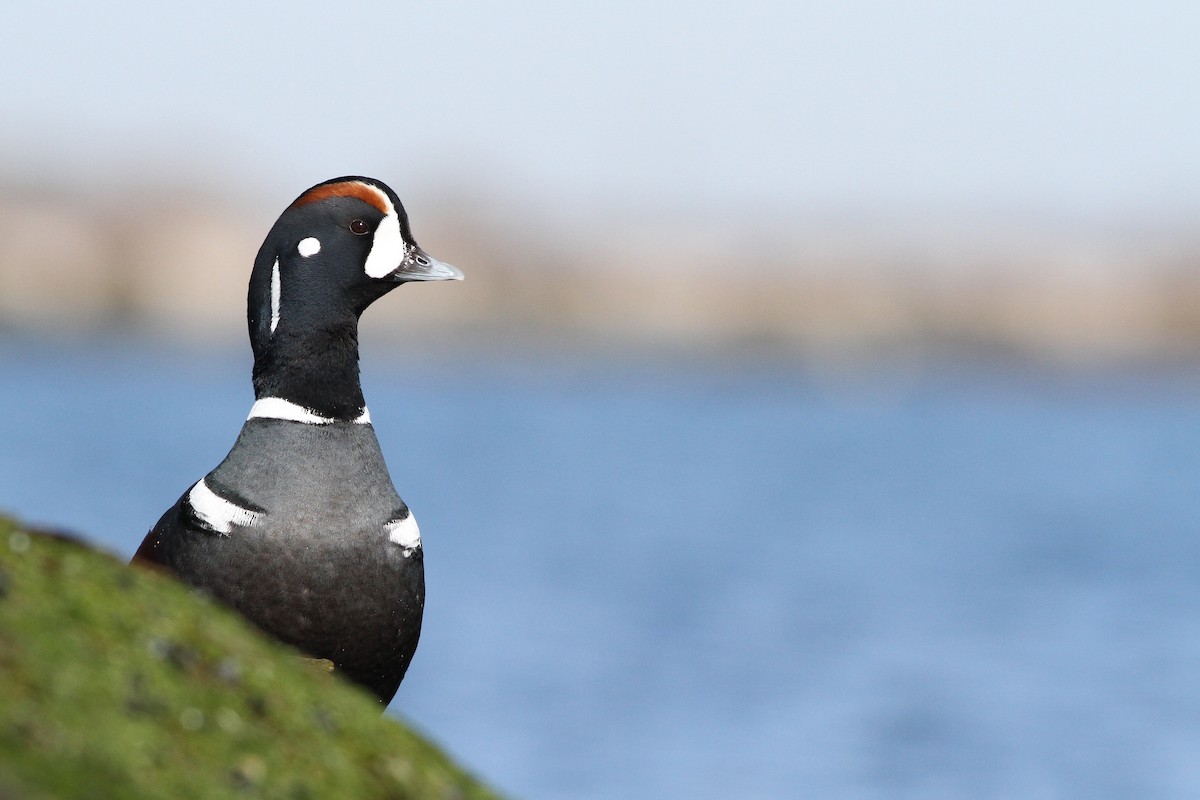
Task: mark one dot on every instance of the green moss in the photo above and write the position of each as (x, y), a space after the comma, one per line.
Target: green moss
(119, 682)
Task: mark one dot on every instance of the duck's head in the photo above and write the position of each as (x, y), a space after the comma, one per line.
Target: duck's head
(340, 246)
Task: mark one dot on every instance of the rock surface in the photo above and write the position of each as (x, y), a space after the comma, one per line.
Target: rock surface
(119, 682)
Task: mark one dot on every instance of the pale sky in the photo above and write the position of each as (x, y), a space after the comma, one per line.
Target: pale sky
(1081, 109)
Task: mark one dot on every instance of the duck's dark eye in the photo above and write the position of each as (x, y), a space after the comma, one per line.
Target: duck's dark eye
(359, 228)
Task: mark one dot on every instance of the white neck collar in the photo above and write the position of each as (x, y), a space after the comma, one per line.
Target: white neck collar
(278, 408)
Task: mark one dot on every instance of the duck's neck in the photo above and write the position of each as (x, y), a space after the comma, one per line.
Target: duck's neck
(316, 368)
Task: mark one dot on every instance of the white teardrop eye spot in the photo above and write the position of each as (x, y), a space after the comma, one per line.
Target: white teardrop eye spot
(309, 247)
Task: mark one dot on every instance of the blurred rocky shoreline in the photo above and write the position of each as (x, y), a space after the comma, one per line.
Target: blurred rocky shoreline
(177, 263)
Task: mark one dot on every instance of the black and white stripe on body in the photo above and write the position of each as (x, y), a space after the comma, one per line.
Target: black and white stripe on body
(313, 560)
(300, 528)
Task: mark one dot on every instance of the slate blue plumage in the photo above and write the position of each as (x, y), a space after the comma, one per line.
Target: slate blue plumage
(300, 528)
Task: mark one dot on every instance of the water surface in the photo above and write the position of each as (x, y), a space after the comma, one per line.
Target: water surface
(720, 578)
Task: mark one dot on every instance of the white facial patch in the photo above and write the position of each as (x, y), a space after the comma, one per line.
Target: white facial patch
(309, 247)
(388, 247)
(404, 532)
(275, 293)
(279, 408)
(218, 513)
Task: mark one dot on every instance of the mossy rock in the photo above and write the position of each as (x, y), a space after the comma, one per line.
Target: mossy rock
(120, 682)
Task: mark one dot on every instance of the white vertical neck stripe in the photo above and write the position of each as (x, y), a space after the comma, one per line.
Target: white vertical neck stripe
(279, 408)
(275, 293)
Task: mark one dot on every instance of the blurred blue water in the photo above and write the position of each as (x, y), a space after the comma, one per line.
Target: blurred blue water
(710, 579)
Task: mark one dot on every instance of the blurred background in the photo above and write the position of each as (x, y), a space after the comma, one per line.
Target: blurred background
(819, 413)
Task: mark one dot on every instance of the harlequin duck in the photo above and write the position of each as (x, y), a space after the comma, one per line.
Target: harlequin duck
(300, 528)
